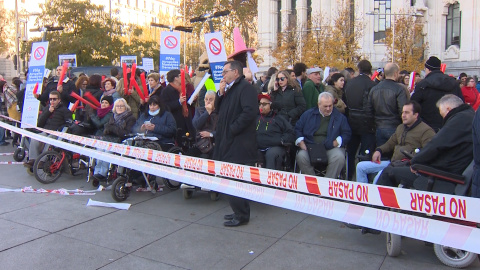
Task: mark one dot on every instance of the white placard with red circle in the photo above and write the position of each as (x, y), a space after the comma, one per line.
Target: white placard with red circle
(170, 43)
(215, 47)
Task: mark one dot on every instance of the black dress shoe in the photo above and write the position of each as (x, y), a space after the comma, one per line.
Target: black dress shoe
(229, 217)
(234, 223)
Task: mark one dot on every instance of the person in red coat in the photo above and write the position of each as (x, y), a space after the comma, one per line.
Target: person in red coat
(471, 94)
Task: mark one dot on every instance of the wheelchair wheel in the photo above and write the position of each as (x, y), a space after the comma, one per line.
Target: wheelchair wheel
(48, 167)
(172, 184)
(187, 194)
(120, 191)
(19, 154)
(394, 244)
(454, 257)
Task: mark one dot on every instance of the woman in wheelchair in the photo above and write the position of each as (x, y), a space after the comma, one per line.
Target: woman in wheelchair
(115, 130)
(157, 122)
(274, 132)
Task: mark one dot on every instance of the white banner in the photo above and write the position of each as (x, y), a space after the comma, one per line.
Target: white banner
(36, 71)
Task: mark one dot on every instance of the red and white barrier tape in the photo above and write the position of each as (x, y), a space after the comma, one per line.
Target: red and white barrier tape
(60, 191)
(444, 205)
(10, 163)
(6, 154)
(445, 233)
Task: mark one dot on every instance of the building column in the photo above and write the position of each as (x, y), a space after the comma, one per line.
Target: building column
(286, 10)
(302, 15)
(267, 30)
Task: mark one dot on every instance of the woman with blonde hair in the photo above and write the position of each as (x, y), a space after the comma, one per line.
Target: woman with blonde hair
(287, 96)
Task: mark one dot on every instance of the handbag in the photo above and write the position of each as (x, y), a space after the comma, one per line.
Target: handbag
(205, 145)
(317, 153)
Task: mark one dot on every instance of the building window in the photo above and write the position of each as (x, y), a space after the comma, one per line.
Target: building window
(454, 27)
(383, 20)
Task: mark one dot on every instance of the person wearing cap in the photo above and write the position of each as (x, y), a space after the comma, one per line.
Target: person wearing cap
(273, 133)
(323, 125)
(102, 115)
(434, 86)
(313, 87)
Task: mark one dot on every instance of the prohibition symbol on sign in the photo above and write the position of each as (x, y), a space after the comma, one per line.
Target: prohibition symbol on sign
(215, 46)
(39, 53)
(171, 42)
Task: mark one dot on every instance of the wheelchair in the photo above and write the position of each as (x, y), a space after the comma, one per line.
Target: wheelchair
(321, 169)
(449, 256)
(188, 190)
(50, 164)
(125, 177)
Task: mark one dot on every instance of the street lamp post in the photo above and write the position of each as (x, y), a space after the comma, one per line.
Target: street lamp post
(415, 14)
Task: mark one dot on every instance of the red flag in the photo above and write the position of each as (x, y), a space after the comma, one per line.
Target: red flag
(144, 84)
(132, 75)
(90, 97)
(62, 74)
(443, 67)
(74, 107)
(375, 74)
(125, 80)
(411, 82)
(73, 94)
(35, 89)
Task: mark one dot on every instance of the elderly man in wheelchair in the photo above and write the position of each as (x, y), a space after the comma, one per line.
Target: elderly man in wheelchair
(321, 135)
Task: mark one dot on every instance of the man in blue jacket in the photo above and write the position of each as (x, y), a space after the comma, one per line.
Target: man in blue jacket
(326, 125)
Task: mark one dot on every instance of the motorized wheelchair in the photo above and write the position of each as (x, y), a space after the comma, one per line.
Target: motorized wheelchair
(444, 182)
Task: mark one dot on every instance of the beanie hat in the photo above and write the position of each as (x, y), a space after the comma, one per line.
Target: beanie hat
(109, 99)
(433, 63)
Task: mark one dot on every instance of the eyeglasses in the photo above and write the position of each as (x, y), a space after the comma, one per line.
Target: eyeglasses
(53, 99)
(225, 71)
(263, 104)
(280, 79)
(472, 81)
(120, 106)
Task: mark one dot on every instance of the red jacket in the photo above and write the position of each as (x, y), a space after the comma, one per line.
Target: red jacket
(471, 96)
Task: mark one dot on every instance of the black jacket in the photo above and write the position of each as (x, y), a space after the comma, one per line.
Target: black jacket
(119, 131)
(274, 130)
(202, 121)
(169, 96)
(451, 148)
(54, 120)
(290, 103)
(165, 127)
(356, 98)
(385, 103)
(68, 87)
(429, 90)
(236, 136)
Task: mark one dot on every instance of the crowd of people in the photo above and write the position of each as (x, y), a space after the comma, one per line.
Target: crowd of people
(286, 119)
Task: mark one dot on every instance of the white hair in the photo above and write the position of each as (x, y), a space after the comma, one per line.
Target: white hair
(325, 95)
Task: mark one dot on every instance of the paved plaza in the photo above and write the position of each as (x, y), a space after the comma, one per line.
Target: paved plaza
(165, 231)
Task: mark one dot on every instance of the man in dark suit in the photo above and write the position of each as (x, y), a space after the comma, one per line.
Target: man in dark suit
(236, 131)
